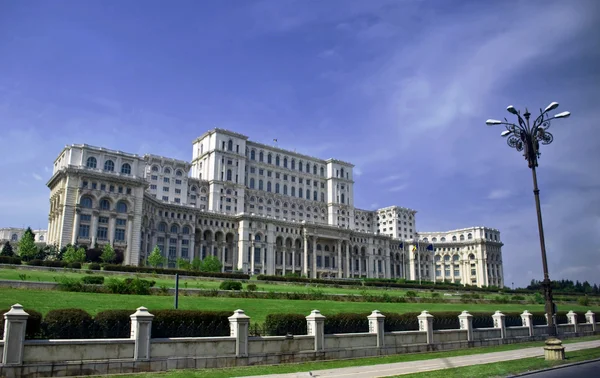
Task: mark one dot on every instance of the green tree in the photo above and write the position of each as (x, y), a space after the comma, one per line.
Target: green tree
(72, 255)
(156, 258)
(211, 264)
(196, 264)
(183, 264)
(27, 248)
(7, 250)
(108, 254)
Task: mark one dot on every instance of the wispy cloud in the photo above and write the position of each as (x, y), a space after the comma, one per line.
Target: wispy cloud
(498, 194)
(391, 178)
(37, 177)
(398, 188)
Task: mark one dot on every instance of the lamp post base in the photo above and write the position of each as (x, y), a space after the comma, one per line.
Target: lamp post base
(554, 350)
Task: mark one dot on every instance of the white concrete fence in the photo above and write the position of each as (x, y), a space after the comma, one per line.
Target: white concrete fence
(141, 352)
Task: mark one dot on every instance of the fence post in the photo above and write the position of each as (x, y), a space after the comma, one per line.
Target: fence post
(15, 323)
(315, 326)
(376, 325)
(527, 320)
(238, 325)
(466, 322)
(426, 324)
(141, 329)
(572, 319)
(590, 318)
(499, 322)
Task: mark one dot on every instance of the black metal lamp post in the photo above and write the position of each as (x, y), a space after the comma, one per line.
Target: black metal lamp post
(527, 137)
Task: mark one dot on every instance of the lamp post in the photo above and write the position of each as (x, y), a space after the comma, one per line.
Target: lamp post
(527, 137)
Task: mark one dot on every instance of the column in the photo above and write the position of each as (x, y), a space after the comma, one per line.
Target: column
(411, 267)
(252, 256)
(129, 236)
(376, 326)
(111, 228)
(314, 255)
(590, 318)
(141, 328)
(94, 230)
(238, 325)
(527, 321)
(339, 258)
(499, 322)
(76, 226)
(167, 246)
(388, 264)
(222, 247)
(305, 257)
(293, 261)
(369, 264)
(315, 326)
(426, 325)
(466, 322)
(192, 247)
(572, 319)
(15, 324)
(348, 269)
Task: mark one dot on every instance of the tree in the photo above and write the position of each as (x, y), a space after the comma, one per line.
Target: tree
(108, 254)
(73, 255)
(27, 248)
(183, 264)
(156, 258)
(196, 264)
(211, 264)
(7, 250)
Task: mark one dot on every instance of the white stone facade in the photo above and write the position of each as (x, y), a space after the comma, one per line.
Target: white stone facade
(13, 235)
(259, 208)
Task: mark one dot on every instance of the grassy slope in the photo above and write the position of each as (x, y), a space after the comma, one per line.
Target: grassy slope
(257, 309)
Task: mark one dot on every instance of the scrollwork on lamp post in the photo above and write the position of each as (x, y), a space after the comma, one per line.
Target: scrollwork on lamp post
(527, 137)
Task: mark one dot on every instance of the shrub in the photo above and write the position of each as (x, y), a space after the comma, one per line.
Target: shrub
(71, 323)
(93, 255)
(74, 265)
(518, 298)
(411, 294)
(230, 285)
(113, 323)
(129, 286)
(435, 295)
(33, 328)
(282, 324)
(10, 260)
(142, 269)
(70, 284)
(251, 287)
(190, 323)
(583, 301)
(93, 280)
(94, 266)
(49, 263)
(346, 323)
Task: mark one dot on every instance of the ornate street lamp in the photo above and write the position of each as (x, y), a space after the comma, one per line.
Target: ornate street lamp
(527, 137)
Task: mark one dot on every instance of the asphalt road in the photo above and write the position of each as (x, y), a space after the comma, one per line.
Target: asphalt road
(587, 370)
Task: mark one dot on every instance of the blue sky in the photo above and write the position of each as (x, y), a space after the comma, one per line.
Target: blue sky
(401, 88)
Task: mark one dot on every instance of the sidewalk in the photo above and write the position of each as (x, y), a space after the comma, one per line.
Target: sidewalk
(386, 370)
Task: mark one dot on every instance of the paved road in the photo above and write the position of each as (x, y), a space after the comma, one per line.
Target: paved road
(587, 370)
(399, 368)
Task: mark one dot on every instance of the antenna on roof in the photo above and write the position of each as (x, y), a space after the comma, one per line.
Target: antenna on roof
(275, 142)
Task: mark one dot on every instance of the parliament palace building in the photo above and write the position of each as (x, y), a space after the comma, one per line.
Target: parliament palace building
(259, 209)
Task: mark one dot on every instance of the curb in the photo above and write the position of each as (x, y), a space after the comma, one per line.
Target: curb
(554, 368)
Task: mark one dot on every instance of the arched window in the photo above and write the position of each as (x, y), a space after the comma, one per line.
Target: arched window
(293, 191)
(174, 229)
(343, 198)
(252, 183)
(293, 164)
(285, 161)
(307, 168)
(162, 227)
(342, 172)
(230, 145)
(91, 162)
(252, 155)
(269, 159)
(41, 237)
(277, 160)
(434, 240)
(314, 169)
(257, 237)
(104, 204)
(455, 258)
(229, 175)
(154, 168)
(437, 258)
(268, 186)
(167, 171)
(462, 237)
(121, 207)
(276, 187)
(454, 238)
(185, 230)
(471, 257)
(260, 185)
(193, 188)
(261, 156)
(307, 194)
(300, 195)
(126, 169)
(322, 171)
(14, 237)
(285, 189)
(315, 196)
(179, 173)
(300, 165)
(446, 258)
(109, 166)
(86, 202)
(443, 239)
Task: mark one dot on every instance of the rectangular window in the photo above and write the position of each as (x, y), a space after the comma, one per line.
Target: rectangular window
(84, 231)
(184, 253)
(154, 177)
(177, 182)
(85, 217)
(94, 185)
(165, 188)
(172, 251)
(153, 187)
(102, 186)
(177, 191)
(269, 173)
(102, 233)
(120, 189)
(120, 234)
(261, 172)
(165, 198)
(252, 170)
(166, 179)
(84, 184)
(128, 190)
(103, 220)
(177, 200)
(121, 222)
(112, 188)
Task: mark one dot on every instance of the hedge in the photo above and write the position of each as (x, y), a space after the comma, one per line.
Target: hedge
(230, 285)
(190, 323)
(282, 324)
(10, 260)
(49, 263)
(93, 280)
(113, 324)
(70, 323)
(143, 269)
(33, 328)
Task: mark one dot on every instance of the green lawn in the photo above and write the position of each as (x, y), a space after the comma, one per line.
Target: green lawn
(322, 365)
(257, 309)
(507, 368)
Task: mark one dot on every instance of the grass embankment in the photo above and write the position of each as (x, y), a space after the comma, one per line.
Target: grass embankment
(489, 370)
(257, 309)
